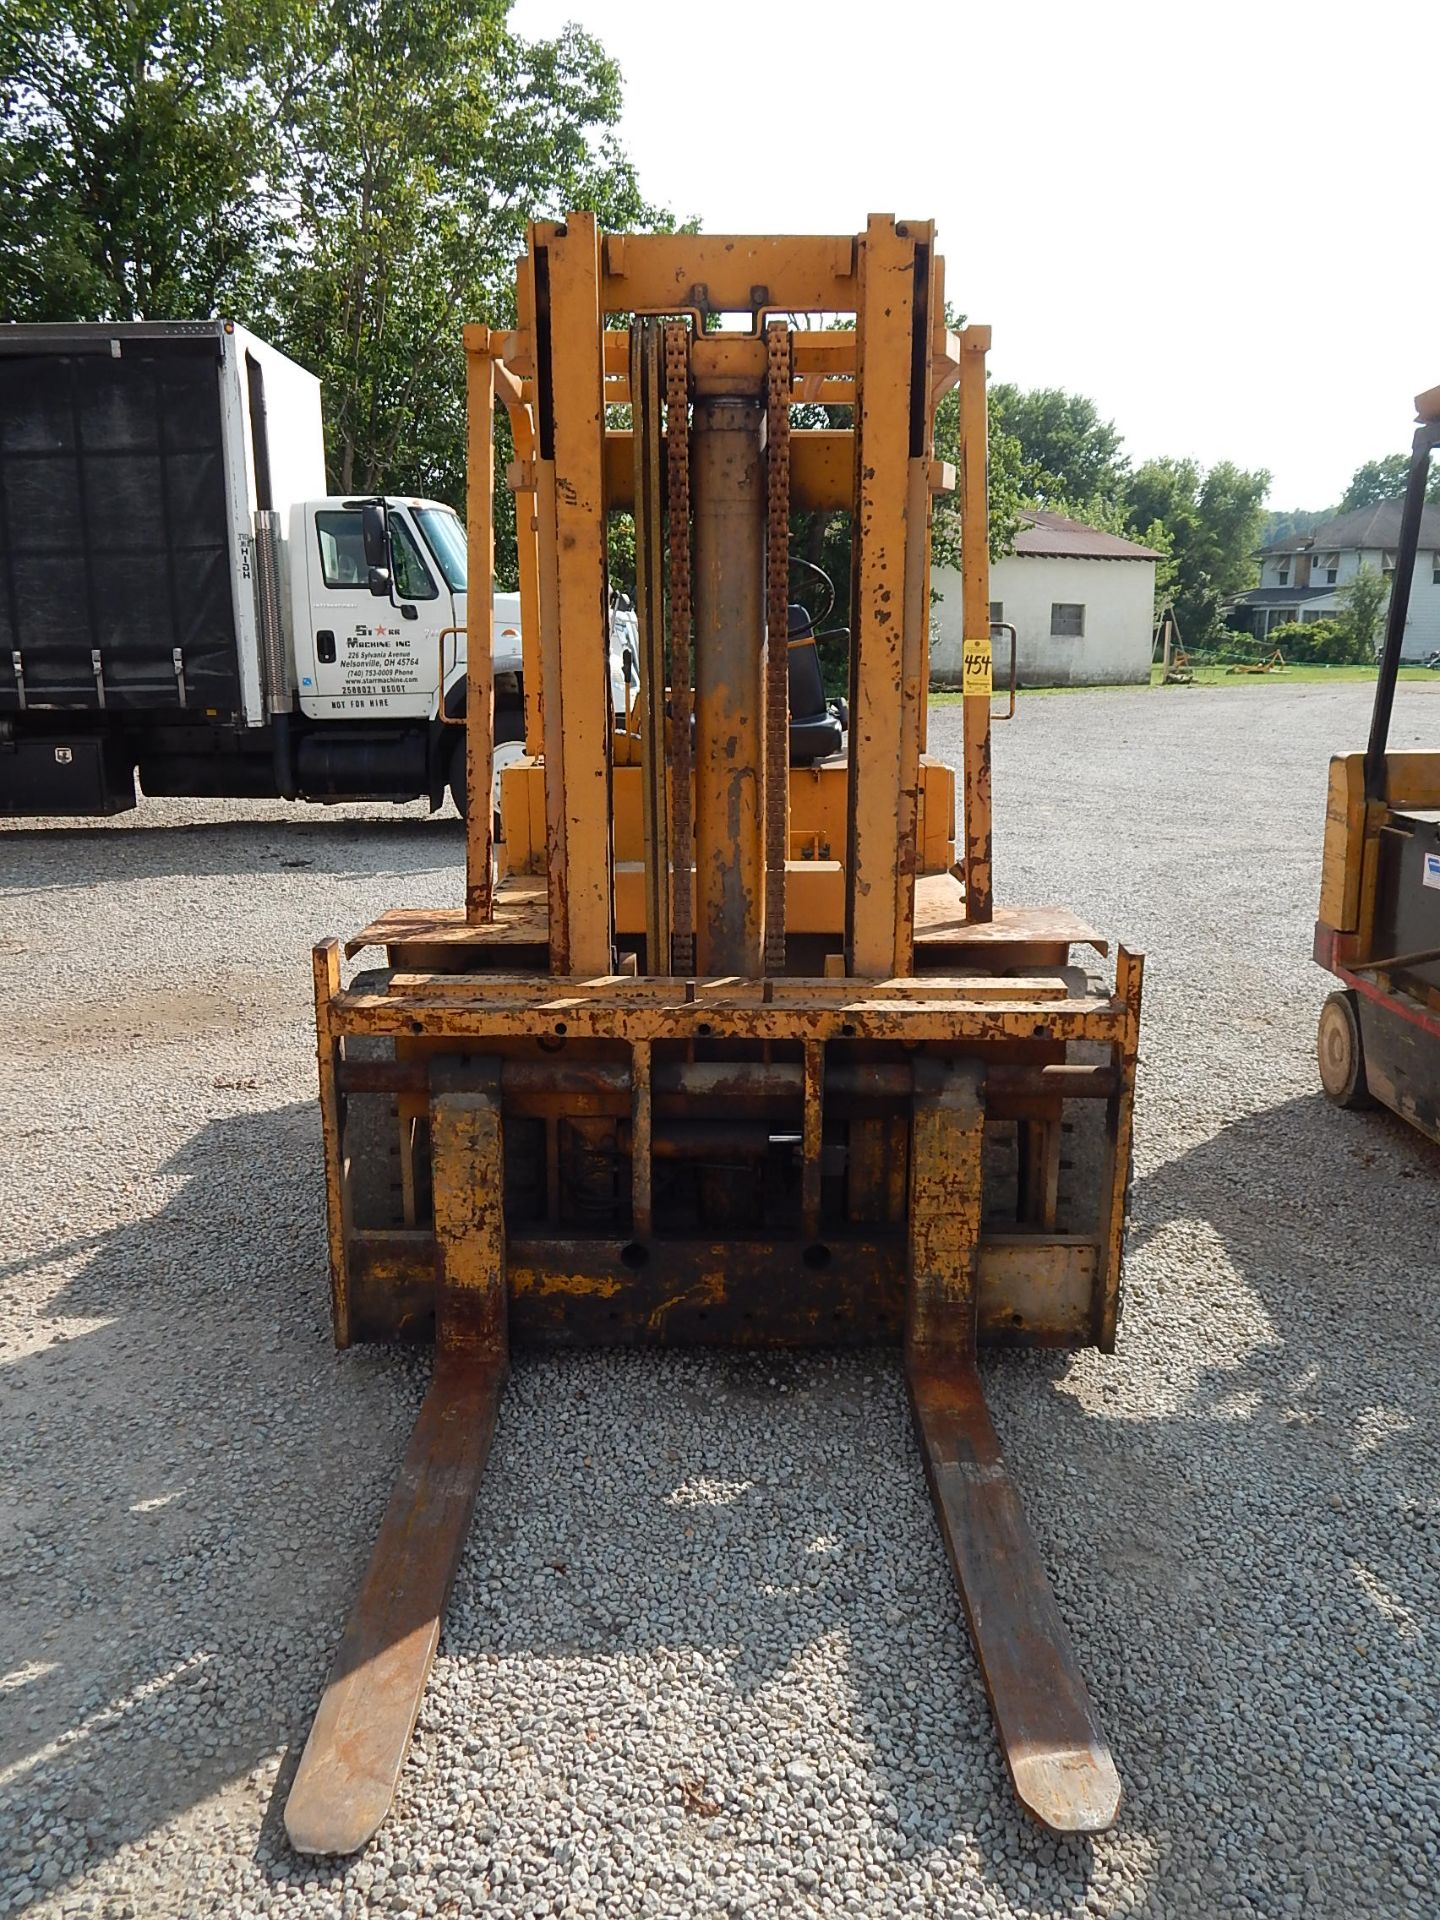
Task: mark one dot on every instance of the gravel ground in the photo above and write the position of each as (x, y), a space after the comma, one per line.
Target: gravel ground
(704, 1656)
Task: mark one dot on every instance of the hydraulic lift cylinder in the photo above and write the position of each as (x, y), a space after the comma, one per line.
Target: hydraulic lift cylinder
(728, 482)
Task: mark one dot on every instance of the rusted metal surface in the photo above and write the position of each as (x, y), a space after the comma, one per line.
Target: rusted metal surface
(650, 619)
(822, 468)
(975, 598)
(1058, 1758)
(468, 1165)
(642, 1128)
(480, 618)
(947, 1123)
(361, 1733)
(571, 426)
(1119, 1129)
(812, 1137)
(724, 272)
(729, 608)
(1031, 1290)
(884, 356)
(325, 968)
(677, 480)
(534, 1086)
(1014, 936)
(777, 639)
(970, 1014)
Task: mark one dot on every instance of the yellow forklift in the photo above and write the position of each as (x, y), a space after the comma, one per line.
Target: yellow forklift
(1378, 929)
(728, 1044)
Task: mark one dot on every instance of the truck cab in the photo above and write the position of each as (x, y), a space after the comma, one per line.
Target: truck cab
(379, 631)
(380, 642)
(182, 602)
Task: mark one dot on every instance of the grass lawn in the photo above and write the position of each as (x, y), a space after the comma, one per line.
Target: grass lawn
(1222, 677)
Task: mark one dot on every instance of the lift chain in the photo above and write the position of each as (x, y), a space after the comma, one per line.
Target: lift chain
(777, 652)
(682, 838)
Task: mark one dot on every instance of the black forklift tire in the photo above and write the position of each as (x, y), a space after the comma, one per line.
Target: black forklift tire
(1341, 1053)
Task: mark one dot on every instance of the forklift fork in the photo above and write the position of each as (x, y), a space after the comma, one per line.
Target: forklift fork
(1058, 1759)
(361, 1734)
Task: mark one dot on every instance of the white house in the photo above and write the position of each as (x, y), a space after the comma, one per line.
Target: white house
(1301, 578)
(1082, 603)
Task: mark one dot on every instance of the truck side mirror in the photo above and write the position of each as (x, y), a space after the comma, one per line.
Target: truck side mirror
(376, 534)
(375, 530)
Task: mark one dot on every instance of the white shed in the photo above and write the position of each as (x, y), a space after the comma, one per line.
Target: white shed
(1082, 603)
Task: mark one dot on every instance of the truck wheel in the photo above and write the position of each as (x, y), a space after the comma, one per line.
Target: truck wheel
(1341, 1053)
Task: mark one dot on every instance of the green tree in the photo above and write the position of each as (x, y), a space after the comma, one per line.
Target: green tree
(1117, 517)
(1364, 599)
(136, 157)
(1384, 479)
(1213, 520)
(1287, 524)
(424, 137)
(1005, 492)
(823, 539)
(1068, 455)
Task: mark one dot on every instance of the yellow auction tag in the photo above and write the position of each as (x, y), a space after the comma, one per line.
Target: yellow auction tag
(976, 676)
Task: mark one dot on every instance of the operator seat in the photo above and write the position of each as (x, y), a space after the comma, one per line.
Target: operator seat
(815, 729)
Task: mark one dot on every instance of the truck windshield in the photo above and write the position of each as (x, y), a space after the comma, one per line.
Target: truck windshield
(445, 538)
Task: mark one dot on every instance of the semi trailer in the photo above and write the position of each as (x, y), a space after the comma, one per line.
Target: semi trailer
(182, 601)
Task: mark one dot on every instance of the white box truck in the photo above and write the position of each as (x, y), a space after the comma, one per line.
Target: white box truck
(180, 598)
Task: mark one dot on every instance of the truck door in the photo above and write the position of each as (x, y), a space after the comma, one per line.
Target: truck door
(364, 655)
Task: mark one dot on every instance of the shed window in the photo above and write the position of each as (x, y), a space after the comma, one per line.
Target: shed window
(1067, 619)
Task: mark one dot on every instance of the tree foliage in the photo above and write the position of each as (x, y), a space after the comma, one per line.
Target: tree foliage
(1006, 491)
(1212, 519)
(423, 139)
(1067, 454)
(1363, 601)
(1374, 481)
(136, 157)
(351, 177)
(1290, 523)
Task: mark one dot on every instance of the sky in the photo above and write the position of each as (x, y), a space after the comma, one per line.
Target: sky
(1219, 221)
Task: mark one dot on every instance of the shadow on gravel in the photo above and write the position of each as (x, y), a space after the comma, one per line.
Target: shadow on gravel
(1333, 1220)
(38, 858)
(197, 1481)
(170, 1469)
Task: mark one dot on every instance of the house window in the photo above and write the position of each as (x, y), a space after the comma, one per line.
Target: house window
(1330, 566)
(1284, 574)
(1387, 563)
(997, 607)
(1435, 570)
(1067, 620)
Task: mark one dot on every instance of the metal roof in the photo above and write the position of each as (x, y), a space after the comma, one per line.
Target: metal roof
(1370, 529)
(1055, 537)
